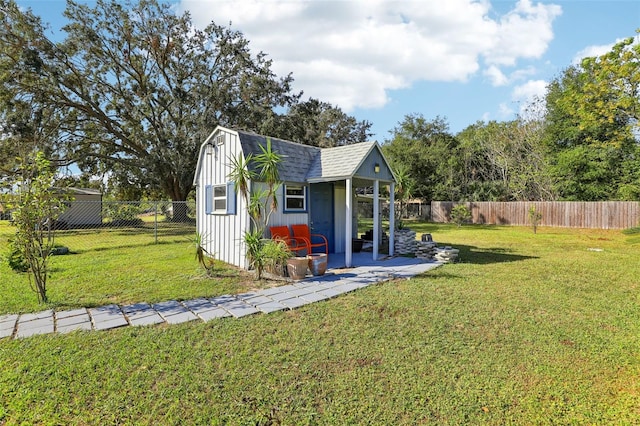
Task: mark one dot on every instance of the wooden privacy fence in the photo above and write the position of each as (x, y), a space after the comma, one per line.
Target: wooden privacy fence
(568, 214)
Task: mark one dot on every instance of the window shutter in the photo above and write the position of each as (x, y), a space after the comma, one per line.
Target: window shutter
(231, 198)
(208, 199)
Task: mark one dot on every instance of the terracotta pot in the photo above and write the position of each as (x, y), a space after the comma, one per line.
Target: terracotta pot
(318, 264)
(297, 267)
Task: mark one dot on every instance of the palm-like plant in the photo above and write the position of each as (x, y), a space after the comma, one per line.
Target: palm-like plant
(267, 162)
(204, 258)
(241, 174)
(254, 243)
(404, 187)
(260, 203)
(256, 208)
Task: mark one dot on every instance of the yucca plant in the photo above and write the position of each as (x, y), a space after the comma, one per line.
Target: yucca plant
(267, 162)
(204, 258)
(254, 245)
(276, 253)
(260, 203)
(241, 175)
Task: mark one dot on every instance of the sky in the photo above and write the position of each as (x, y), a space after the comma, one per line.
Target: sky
(380, 60)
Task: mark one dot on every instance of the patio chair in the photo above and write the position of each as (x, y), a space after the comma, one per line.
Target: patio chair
(302, 231)
(295, 244)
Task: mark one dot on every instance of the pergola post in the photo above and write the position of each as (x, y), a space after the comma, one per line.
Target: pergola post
(348, 224)
(392, 217)
(376, 218)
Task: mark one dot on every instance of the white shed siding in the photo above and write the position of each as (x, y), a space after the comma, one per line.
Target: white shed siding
(84, 209)
(222, 234)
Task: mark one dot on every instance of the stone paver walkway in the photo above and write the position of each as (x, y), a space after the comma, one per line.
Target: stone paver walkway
(289, 296)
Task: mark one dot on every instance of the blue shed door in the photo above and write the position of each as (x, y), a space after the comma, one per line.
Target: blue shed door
(321, 213)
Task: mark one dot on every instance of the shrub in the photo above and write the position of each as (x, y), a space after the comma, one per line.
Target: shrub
(275, 253)
(35, 207)
(534, 217)
(124, 214)
(15, 259)
(460, 214)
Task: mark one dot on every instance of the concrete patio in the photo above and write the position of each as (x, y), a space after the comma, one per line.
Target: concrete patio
(338, 280)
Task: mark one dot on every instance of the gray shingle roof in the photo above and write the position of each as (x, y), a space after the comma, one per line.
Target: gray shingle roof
(339, 162)
(297, 158)
(304, 163)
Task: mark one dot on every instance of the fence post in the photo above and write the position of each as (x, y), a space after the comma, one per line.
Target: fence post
(155, 223)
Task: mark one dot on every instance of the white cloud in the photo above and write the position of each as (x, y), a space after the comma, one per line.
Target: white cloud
(496, 76)
(522, 98)
(530, 90)
(522, 74)
(351, 53)
(505, 111)
(499, 78)
(593, 51)
(524, 32)
(527, 93)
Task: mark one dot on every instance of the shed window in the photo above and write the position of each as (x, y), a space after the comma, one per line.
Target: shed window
(295, 198)
(220, 199)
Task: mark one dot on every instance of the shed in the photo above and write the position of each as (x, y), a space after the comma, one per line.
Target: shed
(318, 190)
(83, 207)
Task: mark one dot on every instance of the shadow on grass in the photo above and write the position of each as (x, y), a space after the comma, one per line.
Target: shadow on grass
(127, 232)
(486, 256)
(432, 227)
(140, 244)
(220, 274)
(439, 274)
(133, 244)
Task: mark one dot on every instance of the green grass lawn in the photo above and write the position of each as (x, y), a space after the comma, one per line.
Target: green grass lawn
(118, 266)
(526, 329)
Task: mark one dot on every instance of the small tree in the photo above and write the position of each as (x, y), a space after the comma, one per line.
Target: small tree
(460, 214)
(34, 213)
(403, 191)
(534, 218)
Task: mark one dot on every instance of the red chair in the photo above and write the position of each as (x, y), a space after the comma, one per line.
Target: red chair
(294, 244)
(302, 231)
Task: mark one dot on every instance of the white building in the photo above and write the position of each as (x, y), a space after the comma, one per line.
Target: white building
(318, 190)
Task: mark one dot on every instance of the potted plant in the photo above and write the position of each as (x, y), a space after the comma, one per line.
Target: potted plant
(276, 253)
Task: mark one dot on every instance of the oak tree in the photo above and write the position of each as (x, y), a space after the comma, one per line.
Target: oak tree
(142, 87)
(317, 123)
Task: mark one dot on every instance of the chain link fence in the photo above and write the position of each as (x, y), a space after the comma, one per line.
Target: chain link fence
(414, 209)
(87, 225)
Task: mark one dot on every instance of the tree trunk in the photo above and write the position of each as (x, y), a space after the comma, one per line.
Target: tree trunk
(178, 193)
(180, 212)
